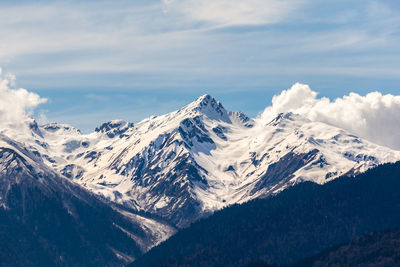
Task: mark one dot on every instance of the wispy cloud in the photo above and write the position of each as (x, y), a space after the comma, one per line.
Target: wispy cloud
(190, 36)
(222, 13)
(198, 46)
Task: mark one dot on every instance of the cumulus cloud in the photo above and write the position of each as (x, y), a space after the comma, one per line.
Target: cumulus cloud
(232, 12)
(375, 117)
(16, 105)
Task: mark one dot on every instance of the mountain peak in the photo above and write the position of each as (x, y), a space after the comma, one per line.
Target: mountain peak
(114, 128)
(204, 101)
(59, 127)
(289, 117)
(210, 107)
(204, 97)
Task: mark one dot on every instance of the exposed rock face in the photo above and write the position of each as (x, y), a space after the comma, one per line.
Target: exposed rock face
(193, 161)
(57, 222)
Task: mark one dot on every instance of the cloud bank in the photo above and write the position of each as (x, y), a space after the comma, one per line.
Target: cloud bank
(375, 117)
(16, 105)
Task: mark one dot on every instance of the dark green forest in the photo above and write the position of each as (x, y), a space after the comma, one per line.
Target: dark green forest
(373, 249)
(299, 222)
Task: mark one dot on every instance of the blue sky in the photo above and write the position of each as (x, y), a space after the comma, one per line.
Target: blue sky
(101, 60)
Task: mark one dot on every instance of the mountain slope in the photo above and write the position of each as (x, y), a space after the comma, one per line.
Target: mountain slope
(45, 220)
(372, 249)
(298, 222)
(201, 158)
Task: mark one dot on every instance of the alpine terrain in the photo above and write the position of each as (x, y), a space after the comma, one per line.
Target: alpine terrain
(47, 220)
(186, 164)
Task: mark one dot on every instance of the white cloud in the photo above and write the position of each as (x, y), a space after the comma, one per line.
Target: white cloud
(375, 117)
(61, 37)
(232, 12)
(15, 104)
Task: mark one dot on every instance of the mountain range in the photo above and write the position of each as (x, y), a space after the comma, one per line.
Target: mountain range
(166, 172)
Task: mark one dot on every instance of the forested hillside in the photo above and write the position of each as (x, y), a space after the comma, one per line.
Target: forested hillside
(297, 223)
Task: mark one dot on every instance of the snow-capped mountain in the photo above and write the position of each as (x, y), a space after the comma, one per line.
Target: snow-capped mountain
(49, 220)
(201, 158)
